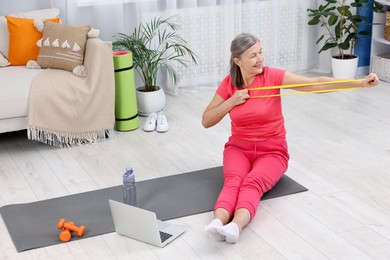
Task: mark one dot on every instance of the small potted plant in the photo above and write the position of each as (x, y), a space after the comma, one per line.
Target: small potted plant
(155, 45)
(341, 20)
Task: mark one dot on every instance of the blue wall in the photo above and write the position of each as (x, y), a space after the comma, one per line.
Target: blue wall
(363, 45)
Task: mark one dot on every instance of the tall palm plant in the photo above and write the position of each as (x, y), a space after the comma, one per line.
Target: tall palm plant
(156, 45)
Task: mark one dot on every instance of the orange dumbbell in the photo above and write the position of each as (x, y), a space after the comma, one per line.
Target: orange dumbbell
(65, 235)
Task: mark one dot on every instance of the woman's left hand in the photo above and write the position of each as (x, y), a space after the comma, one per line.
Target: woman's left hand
(371, 80)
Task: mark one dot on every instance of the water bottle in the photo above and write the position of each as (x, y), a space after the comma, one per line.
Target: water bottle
(129, 189)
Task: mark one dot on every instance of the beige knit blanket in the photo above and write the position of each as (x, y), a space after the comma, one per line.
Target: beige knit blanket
(66, 110)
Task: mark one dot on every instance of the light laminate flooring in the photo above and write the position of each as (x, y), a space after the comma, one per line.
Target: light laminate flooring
(340, 150)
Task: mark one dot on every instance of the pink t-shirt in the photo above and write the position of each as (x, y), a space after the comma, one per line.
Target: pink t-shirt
(258, 118)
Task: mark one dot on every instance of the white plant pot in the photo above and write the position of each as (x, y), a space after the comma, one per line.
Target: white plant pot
(150, 102)
(344, 68)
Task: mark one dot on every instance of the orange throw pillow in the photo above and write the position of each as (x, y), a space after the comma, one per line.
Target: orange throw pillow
(23, 37)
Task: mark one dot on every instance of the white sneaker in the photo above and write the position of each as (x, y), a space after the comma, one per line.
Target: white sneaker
(162, 124)
(151, 123)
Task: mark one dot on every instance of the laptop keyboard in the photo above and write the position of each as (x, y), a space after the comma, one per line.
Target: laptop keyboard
(164, 236)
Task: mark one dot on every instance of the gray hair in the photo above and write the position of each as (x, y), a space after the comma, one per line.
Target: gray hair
(239, 45)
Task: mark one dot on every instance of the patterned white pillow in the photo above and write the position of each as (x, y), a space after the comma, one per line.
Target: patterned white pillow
(3, 61)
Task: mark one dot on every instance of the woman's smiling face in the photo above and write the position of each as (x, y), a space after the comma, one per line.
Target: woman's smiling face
(251, 61)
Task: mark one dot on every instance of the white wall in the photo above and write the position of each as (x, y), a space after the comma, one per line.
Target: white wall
(12, 6)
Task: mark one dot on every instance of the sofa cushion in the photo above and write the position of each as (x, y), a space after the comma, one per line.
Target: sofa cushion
(14, 90)
(63, 46)
(35, 14)
(23, 37)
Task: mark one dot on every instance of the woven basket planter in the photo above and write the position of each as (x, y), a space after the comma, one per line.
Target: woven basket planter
(381, 66)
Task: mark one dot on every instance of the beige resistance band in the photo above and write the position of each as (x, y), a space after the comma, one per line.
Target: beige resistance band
(303, 85)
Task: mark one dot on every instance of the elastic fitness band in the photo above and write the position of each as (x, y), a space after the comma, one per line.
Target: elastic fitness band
(303, 85)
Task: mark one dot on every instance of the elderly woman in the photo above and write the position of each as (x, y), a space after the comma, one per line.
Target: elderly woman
(256, 155)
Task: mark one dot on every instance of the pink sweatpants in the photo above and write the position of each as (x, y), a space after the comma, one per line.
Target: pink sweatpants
(250, 169)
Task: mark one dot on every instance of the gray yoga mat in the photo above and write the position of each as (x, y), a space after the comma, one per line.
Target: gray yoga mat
(34, 225)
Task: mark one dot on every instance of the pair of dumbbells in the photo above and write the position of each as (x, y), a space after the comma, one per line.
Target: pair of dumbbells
(68, 228)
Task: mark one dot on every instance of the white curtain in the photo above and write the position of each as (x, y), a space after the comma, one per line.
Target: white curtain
(209, 27)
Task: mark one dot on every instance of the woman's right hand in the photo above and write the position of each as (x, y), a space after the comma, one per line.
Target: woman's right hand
(219, 107)
(239, 97)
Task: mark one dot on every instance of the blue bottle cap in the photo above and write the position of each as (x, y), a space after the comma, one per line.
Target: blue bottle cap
(129, 174)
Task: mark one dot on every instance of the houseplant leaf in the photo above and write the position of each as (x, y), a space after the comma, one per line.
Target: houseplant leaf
(156, 45)
(341, 22)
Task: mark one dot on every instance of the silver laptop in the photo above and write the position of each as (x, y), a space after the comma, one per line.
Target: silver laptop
(142, 225)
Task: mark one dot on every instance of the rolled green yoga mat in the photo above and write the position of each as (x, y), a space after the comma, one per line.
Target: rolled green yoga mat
(126, 111)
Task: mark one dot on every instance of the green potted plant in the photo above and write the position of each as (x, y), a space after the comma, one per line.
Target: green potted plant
(341, 20)
(155, 45)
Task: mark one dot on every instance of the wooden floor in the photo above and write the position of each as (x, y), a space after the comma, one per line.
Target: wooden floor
(340, 150)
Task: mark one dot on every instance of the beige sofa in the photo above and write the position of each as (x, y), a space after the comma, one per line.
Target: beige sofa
(15, 81)
(14, 90)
